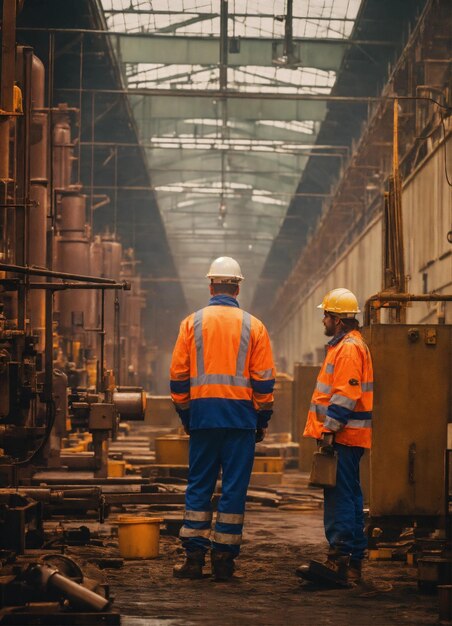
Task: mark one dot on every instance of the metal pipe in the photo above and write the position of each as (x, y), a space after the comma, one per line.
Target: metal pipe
(102, 340)
(227, 193)
(35, 271)
(224, 45)
(377, 299)
(52, 216)
(80, 597)
(215, 94)
(48, 354)
(111, 33)
(256, 95)
(117, 339)
(206, 143)
(8, 66)
(80, 101)
(61, 286)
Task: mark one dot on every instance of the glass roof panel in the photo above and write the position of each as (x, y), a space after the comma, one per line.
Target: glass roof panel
(251, 77)
(247, 18)
(223, 185)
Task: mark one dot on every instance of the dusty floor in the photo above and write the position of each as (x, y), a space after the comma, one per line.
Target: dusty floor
(265, 590)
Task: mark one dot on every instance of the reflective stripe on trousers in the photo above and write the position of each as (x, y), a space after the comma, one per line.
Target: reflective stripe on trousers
(224, 521)
(232, 451)
(228, 528)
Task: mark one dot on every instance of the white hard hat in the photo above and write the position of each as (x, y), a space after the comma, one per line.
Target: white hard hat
(225, 270)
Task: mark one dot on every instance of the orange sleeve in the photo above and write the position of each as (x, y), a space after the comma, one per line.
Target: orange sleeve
(180, 369)
(262, 371)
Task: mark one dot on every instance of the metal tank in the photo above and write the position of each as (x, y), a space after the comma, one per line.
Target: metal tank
(73, 255)
(132, 303)
(37, 216)
(96, 269)
(62, 157)
(111, 268)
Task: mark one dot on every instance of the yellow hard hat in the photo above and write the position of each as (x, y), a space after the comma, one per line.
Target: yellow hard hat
(341, 302)
(225, 270)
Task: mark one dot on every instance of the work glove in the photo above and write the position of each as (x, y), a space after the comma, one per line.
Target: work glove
(260, 434)
(326, 443)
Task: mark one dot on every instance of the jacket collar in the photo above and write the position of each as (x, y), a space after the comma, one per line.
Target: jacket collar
(223, 300)
(337, 338)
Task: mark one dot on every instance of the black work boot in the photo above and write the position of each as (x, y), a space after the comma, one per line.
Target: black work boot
(333, 572)
(222, 565)
(355, 572)
(191, 567)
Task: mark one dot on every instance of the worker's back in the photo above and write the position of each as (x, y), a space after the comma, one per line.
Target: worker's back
(229, 355)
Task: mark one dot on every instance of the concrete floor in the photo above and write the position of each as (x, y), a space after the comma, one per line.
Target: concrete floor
(265, 590)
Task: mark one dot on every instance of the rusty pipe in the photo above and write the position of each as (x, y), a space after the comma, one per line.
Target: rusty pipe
(36, 271)
(8, 54)
(61, 286)
(382, 297)
(50, 579)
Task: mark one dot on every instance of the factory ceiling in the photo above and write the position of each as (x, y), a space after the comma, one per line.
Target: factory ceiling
(208, 144)
(225, 168)
(230, 99)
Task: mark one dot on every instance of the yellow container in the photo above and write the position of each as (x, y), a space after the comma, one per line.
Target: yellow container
(172, 450)
(116, 469)
(263, 479)
(139, 536)
(268, 464)
(75, 449)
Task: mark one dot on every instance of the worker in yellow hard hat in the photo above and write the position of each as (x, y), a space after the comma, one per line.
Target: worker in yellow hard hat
(340, 419)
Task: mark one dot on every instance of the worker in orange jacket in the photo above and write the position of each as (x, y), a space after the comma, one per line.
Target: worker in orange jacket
(340, 419)
(222, 378)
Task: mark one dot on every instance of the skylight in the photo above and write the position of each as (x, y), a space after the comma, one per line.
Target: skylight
(252, 78)
(248, 18)
(218, 160)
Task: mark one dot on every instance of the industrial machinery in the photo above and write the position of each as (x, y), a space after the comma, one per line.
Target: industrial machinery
(409, 462)
(65, 294)
(62, 292)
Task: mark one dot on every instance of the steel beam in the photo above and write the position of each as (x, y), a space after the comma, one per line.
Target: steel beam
(177, 106)
(236, 130)
(322, 54)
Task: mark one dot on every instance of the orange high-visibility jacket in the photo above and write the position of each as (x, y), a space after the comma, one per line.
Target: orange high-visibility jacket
(222, 372)
(343, 398)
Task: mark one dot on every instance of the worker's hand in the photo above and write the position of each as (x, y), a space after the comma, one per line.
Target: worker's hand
(260, 434)
(326, 443)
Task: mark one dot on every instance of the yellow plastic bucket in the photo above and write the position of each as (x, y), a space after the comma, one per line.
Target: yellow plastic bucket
(171, 450)
(116, 469)
(268, 464)
(139, 536)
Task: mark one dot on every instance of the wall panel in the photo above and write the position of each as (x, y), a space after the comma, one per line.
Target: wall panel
(427, 215)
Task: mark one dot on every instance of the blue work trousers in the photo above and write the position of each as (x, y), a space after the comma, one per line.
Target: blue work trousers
(343, 506)
(232, 451)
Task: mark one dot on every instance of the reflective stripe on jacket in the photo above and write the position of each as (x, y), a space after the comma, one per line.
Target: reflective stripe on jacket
(222, 367)
(343, 398)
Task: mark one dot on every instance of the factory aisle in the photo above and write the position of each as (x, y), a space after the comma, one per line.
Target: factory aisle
(265, 589)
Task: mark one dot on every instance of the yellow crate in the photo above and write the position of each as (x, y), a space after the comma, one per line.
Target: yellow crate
(380, 554)
(269, 464)
(263, 479)
(171, 450)
(116, 469)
